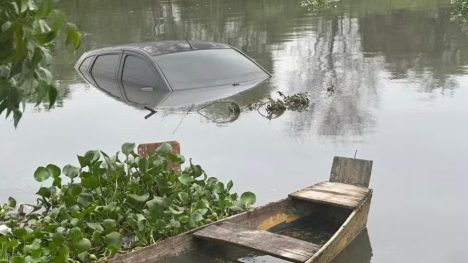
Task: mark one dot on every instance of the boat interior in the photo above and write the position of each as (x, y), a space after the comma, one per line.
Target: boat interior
(294, 228)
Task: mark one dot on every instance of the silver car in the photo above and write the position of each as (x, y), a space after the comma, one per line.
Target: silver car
(170, 73)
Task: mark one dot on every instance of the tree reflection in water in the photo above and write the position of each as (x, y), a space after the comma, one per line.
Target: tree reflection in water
(349, 47)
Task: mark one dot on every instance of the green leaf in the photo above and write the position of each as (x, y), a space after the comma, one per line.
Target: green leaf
(83, 161)
(173, 224)
(164, 148)
(219, 187)
(84, 199)
(41, 174)
(91, 181)
(23, 5)
(52, 92)
(184, 197)
(95, 227)
(247, 199)
(113, 241)
(203, 203)
(37, 57)
(44, 192)
(185, 179)
(18, 259)
(73, 36)
(62, 254)
(155, 202)
(127, 148)
(109, 224)
(76, 234)
(92, 156)
(11, 202)
(71, 171)
(229, 185)
(81, 245)
(54, 170)
(139, 198)
(197, 171)
(196, 218)
(176, 210)
(84, 256)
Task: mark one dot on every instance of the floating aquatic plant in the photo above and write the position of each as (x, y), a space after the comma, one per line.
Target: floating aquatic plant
(112, 204)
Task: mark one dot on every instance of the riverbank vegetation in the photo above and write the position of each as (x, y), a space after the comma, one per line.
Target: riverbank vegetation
(29, 30)
(113, 204)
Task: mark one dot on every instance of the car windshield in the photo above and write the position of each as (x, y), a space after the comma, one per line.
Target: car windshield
(206, 68)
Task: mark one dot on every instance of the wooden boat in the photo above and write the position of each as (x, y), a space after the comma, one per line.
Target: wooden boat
(311, 225)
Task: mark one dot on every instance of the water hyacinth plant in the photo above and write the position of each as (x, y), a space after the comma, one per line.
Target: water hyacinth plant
(112, 204)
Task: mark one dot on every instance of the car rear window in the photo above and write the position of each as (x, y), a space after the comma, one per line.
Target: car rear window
(206, 68)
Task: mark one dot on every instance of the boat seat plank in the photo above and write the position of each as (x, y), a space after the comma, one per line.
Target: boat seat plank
(338, 194)
(263, 241)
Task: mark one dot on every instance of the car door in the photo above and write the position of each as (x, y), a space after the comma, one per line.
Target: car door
(141, 81)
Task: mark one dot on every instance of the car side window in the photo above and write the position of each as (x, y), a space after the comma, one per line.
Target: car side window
(137, 72)
(84, 68)
(140, 82)
(105, 71)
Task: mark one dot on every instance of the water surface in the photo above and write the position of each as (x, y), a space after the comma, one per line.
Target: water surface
(399, 70)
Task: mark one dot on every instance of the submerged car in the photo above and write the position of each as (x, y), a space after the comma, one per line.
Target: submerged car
(170, 73)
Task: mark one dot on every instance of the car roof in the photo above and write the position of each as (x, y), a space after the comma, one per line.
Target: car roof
(158, 48)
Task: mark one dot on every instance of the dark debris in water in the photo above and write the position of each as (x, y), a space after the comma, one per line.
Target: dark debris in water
(226, 111)
(276, 107)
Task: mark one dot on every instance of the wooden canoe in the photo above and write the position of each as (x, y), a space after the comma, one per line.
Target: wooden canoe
(311, 225)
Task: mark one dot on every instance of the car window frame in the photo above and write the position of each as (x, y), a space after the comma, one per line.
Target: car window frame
(119, 84)
(154, 68)
(87, 69)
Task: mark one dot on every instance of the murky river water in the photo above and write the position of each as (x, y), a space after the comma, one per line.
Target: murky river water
(400, 72)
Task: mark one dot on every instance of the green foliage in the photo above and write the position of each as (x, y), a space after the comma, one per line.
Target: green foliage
(112, 204)
(317, 4)
(461, 7)
(460, 11)
(28, 32)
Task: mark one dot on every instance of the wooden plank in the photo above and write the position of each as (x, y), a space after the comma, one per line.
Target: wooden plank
(341, 189)
(263, 241)
(311, 195)
(359, 250)
(350, 229)
(171, 247)
(351, 171)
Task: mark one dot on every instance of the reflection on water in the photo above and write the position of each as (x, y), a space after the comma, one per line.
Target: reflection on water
(345, 47)
(398, 72)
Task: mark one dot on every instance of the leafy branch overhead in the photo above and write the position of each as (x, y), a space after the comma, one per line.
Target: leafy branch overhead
(112, 204)
(28, 33)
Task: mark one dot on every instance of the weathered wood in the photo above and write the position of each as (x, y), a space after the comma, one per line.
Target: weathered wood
(351, 171)
(341, 189)
(170, 247)
(351, 228)
(337, 194)
(358, 251)
(263, 241)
